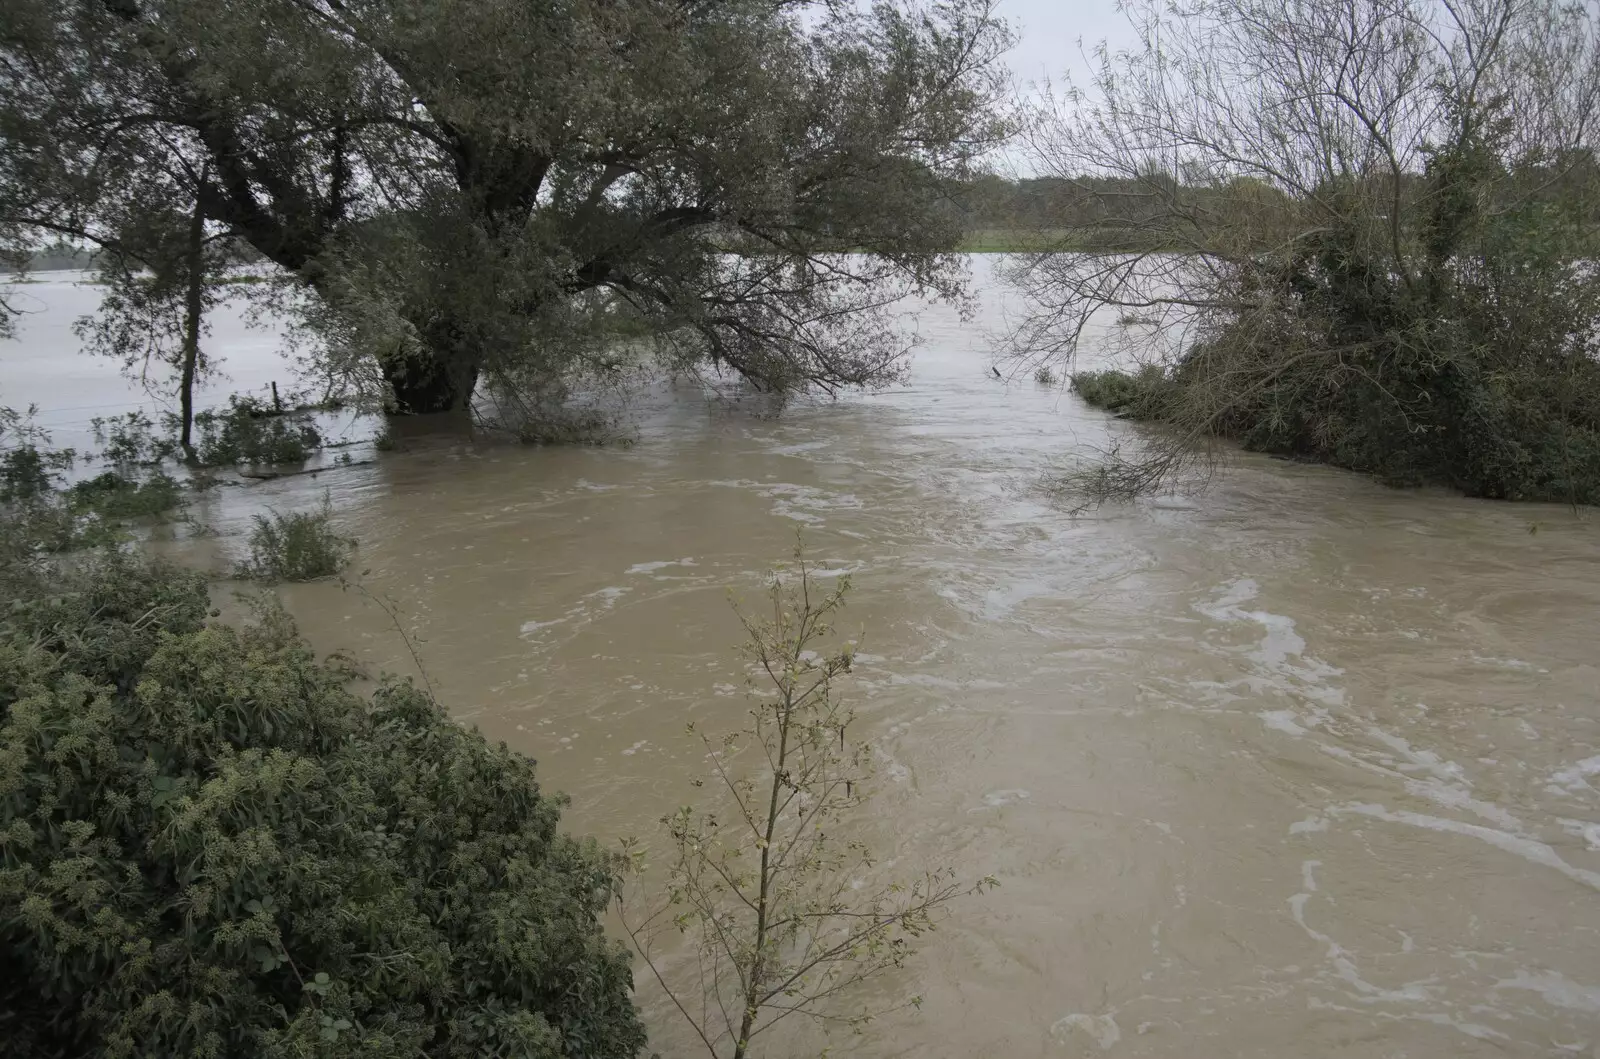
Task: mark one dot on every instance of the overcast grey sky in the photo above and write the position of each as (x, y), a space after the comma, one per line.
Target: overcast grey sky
(1054, 35)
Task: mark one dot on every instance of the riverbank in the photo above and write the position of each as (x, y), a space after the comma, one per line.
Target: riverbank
(1535, 440)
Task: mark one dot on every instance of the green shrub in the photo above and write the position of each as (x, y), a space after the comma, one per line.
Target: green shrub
(210, 846)
(1044, 376)
(1137, 395)
(27, 472)
(248, 432)
(1488, 381)
(29, 466)
(301, 546)
(115, 497)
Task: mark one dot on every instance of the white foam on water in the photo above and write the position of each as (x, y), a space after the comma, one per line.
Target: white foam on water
(1528, 849)
(798, 502)
(928, 680)
(1445, 785)
(1584, 829)
(1575, 778)
(998, 603)
(1339, 958)
(660, 564)
(1281, 721)
(1459, 796)
(1280, 654)
(1280, 642)
(1557, 990)
(838, 571)
(892, 767)
(1418, 760)
(1471, 1029)
(998, 799)
(1102, 1029)
(609, 595)
(1506, 663)
(798, 448)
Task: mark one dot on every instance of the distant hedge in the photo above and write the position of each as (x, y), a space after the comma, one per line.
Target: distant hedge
(210, 846)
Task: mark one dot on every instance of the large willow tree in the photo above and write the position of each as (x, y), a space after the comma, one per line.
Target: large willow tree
(467, 186)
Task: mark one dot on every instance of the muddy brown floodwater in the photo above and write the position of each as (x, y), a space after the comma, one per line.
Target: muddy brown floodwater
(1295, 766)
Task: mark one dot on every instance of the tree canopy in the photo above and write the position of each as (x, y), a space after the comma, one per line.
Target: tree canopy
(476, 188)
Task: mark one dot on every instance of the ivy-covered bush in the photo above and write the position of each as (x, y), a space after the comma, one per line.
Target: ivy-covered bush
(211, 846)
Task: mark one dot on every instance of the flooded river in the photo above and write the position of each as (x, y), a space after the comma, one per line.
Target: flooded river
(1295, 766)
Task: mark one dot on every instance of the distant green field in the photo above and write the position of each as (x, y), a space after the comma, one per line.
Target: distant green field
(1015, 240)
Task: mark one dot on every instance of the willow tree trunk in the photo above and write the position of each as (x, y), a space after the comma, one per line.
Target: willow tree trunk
(193, 310)
(442, 376)
(434, 384)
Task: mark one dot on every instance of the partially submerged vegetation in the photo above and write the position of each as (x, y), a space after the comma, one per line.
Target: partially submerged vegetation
(1382, 217)
(113, 496)
(347, 864)
(1135, 395)
(248, 432)
(44, 516)
(297, 546)
(780, 906)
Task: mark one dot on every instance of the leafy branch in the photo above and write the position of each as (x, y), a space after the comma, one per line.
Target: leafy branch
(770, 894)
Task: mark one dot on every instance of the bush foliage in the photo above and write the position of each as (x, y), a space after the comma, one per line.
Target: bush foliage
(248, 432)
(1396, 277)
(29, 467)
(210, 846)
(114, 496)
(1135, 395)
(300, 546)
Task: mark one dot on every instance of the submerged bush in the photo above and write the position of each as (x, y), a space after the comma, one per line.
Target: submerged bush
(1137, 395)
(248, 432)
(132, 440)
(210, 846)
(38, 518)
(114, 496)
(300, 546)
(29, 467)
